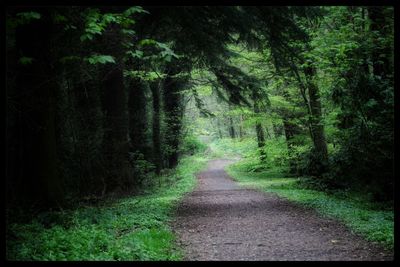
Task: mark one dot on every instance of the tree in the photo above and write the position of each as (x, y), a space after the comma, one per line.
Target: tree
(174, 83)
(157, 155)
(37, 178)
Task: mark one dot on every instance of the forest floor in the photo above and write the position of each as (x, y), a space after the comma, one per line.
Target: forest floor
(220, 220)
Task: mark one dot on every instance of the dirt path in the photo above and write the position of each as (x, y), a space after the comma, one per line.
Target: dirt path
(221, 221)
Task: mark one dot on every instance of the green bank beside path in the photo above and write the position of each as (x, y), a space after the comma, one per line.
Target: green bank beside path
(374, 221)
(361, 216)
(132, 228)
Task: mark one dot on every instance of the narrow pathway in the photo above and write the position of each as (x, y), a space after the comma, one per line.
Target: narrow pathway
(221, 221)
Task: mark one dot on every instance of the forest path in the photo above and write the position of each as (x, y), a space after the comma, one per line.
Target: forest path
(221, 221)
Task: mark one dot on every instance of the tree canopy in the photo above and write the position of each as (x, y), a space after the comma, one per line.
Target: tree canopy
(98, 98)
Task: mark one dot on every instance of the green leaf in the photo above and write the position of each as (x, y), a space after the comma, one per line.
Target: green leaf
(29, 15)
(371, 103)
(147, 42)
(135, 9)
(168, 58)
(86, 36)
(136, 54)
(107, 18)
(59, 18)
(100, 59)
(128, 32)
(25, 60)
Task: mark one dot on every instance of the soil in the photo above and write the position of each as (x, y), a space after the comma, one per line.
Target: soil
(220, 221)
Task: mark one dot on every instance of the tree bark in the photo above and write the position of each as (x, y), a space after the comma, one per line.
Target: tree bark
(219, 129)
(231, 128)
(241, 133)
(290, 130)
(317, 128)
(138, 117)
(259, 128)
(38, 180)
(156, 137)
(116, 125)
(173, 108)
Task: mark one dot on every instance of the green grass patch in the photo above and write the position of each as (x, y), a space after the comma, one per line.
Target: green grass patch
(357, 212)
(133, 228)
(228, 147)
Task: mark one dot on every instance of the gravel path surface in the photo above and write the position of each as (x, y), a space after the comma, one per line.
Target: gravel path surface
(221, 221)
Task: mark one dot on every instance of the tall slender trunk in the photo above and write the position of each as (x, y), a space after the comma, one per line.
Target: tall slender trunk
(116, 123)
(276, 129)
(290, 130)
(241, 133)
(219, 129)
(317, 128)
(115, 105)
(138, 117)
(231, 128)
(156, 137)
(259, 128)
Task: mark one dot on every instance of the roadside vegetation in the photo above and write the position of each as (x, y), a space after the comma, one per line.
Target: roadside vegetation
(372, 220)
(130, 228)
(108, 108)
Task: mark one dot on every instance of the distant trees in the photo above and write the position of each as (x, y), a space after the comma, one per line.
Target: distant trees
(96, 96)
(329, 91)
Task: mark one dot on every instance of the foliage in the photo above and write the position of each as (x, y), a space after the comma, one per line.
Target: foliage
(131, 228)
(345, 53)
(101, 100)
(100, 59)
(361, 214)
(192, 145)
(141, 168)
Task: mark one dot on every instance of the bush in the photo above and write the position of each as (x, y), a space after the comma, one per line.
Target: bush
(191, 145)
(140, 166)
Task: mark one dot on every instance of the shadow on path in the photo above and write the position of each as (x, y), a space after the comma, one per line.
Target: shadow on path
(221, 221)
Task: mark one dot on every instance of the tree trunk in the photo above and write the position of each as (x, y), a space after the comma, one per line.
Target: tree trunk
(290, 130)
(173, 108)
(219, 129)
(277, 129)
(115, 105)
(259, 128)
(157, 157)
(317, 128)
(231, 128)
(241, 133)
(116, 125)
(138, 117)
(36, 84)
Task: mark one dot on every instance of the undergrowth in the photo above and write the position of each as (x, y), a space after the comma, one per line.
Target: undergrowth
(358, 213)
(131, 228)
(374, 221)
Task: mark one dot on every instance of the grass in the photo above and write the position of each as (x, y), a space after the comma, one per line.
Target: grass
(133, 228)
(359, 214)
(373, 221)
